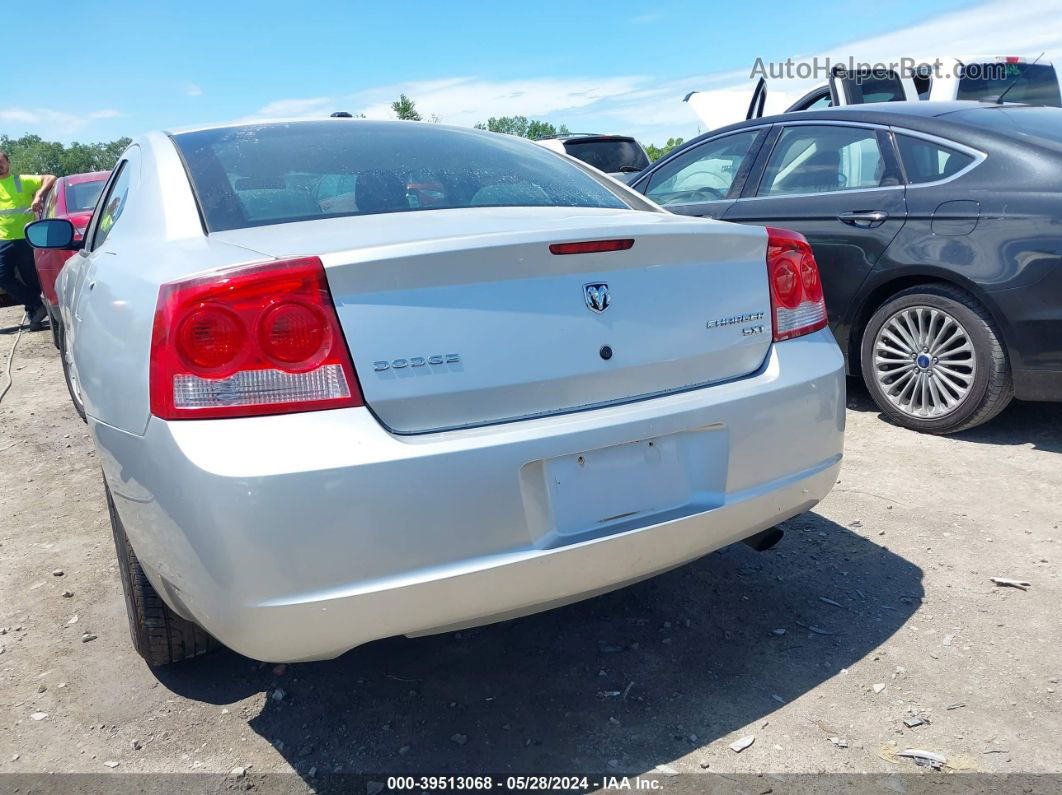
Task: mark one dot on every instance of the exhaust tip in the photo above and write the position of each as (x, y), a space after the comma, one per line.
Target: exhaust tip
(765, 539)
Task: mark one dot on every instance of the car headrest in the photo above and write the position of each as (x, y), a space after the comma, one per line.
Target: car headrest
(818, 172)
(380, 192)
(260, 183)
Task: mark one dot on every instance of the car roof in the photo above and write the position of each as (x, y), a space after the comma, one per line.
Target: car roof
(321, 121)
(876, 110)
(91, 176)
(887, 113)
(585, 137)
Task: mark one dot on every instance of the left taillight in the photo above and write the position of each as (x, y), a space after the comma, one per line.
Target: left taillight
(250, 340)
(797, 303)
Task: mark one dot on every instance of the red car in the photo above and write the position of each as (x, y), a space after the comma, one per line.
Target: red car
(71, 197)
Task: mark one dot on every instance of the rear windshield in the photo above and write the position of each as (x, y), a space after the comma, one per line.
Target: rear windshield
(83, 195)
(1042, 123)
(277, 173)
(1029, 84)
(611, 155)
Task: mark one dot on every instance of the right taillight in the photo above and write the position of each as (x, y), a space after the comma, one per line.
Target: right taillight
(254, 339)
(797, 304)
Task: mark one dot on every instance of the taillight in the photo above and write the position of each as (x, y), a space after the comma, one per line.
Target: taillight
(591, 246)
(797, 304)
(254, 339)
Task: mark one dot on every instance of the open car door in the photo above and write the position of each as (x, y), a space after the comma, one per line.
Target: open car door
(759, 98)
(711, 106)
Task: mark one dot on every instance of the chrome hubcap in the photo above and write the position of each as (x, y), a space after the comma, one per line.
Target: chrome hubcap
(924, 362)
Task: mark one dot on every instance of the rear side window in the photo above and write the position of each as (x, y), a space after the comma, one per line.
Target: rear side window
(256, 175)
(1025, 83)
(610, 156)
(810, 159)
(925, 161)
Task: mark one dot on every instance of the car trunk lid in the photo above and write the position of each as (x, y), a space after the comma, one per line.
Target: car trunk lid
(465, 317)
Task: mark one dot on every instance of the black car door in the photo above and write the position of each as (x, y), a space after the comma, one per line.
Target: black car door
(837, 184)
(704, 180)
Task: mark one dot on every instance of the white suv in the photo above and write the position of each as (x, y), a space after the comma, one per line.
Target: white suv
(1013, 78)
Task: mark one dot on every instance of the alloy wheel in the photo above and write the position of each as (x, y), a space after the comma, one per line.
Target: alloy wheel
(924, 362)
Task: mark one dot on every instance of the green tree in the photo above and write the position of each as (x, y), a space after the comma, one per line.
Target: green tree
(404, 108)
(30, 154)
(657, 152)
(522, 127)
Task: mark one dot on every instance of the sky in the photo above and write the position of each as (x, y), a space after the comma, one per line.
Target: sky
(109, 69)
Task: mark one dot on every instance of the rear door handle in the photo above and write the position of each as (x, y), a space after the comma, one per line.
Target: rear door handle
(865, 219)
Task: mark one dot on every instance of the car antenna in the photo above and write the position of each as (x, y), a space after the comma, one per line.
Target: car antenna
(1014, 82)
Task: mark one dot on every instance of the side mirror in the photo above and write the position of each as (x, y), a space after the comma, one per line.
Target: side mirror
(52, 233)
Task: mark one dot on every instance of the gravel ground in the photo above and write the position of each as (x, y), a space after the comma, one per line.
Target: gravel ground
(876, 608)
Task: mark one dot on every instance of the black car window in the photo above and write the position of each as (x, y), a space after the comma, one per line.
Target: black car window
(261, 174)
(703, 173)
(923, 83)
(810, 159)
(611, 155)
(867, 86)
(925, 161)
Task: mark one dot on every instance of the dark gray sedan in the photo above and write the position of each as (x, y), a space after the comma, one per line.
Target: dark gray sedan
(938, 231)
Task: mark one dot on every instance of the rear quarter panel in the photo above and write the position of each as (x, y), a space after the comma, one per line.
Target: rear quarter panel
(997, 233)
(109, 296)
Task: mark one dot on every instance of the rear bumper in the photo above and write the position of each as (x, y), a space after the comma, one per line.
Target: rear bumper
(1043, 385)
(301, 536)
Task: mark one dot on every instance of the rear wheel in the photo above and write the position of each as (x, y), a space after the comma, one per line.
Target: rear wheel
(933, 361)
(53, 324)
(72, 385)
(159, 635)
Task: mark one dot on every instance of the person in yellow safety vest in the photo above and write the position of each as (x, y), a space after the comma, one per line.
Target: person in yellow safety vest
(21, 199)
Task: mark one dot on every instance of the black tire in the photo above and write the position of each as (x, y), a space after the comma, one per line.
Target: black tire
(53, 324)
(79, 407)
(990, 387)
(159, 635)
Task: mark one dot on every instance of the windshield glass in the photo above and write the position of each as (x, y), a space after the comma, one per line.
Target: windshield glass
(610, 156)
(83, 195)
(277, 173)
(1029, 84)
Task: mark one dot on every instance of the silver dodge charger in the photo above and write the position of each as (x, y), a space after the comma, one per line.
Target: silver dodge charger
(351, 379)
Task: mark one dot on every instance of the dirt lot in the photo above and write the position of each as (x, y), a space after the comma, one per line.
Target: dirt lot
(875, 608)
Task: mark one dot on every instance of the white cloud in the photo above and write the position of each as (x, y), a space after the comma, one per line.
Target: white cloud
(641, 19)
(464, 100)
(50, 123)
(652, 110)
(312, 108)
(192, 90)
(467, 100)
(985, 30)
